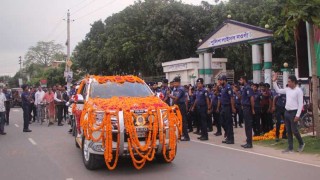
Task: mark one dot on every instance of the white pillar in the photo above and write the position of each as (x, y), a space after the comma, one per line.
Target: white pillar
(201, 66)
(256, 63)
(207, 68)
(267, 50)
(285, 77)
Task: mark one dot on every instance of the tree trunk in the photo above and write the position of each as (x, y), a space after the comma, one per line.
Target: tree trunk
(315, 81)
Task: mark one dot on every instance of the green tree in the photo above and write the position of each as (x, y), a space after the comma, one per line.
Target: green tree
(43, 53)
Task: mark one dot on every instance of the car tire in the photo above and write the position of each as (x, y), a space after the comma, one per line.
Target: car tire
(161, 159)
(74, 128)
(91, 161)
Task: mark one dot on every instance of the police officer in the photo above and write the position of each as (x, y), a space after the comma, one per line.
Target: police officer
(210, 114)
(215, 107)
(203, 106)
(238, 95)
(26, 101)
(178, 97)
(164, 91)
(257, 109)
(227, 108)
(279, 103)
(247, 102)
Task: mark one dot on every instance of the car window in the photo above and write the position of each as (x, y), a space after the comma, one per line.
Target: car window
(127, 89)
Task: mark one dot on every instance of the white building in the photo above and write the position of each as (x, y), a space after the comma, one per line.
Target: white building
(188, 69)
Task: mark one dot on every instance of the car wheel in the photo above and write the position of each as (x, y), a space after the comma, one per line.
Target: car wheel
(91, 161)
(74, 128)
(161, 159)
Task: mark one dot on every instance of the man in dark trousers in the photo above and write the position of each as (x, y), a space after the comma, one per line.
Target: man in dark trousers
(164, 91)
(60, 104)
(294, 105)
(7, 104)
(247, 102)
(26, 100)
(203, 106)
(227, 108)
(178, 97)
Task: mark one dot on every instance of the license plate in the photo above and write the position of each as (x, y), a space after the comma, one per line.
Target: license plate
(141, 132)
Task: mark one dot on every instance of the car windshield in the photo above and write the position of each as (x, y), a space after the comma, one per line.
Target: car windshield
(127, 89)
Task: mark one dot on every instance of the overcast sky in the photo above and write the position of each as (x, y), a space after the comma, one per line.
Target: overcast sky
(25, 22)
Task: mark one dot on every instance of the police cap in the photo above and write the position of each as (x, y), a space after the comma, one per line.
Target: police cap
(200, 80)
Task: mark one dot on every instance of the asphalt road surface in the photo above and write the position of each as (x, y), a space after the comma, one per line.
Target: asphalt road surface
(49, 153)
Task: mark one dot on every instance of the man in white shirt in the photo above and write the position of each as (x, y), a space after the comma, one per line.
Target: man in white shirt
(294, 104)
(37, 102)
(2, 112)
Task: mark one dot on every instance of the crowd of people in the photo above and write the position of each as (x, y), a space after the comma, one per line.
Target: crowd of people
(38, 104)
(230, 105)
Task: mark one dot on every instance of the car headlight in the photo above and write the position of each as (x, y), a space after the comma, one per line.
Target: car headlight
(99, 117)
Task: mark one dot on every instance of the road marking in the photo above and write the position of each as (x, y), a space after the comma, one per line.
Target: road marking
(32, 141)
(15, 110)
(16, 125)
(69, 179)
(259, 154)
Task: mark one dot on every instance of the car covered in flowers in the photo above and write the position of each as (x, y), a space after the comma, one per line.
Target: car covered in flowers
(119, 116)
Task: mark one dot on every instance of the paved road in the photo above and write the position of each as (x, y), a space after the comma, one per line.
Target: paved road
(50, 153)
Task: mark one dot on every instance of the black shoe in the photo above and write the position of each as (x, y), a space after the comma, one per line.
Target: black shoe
(190, 130)
(246, 146)
(224, 141)
(240, 126)
(210, 130)
(229, 142)
(217, 134)
(70, 131)
(185, 139)
(60, 124)
(3, 133)
(203, 139)
(27, 130)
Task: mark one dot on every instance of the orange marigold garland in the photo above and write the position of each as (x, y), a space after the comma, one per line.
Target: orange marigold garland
(156, 111)
(269, 135)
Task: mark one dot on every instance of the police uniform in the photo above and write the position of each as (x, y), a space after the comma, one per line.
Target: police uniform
(247, 93)
(179, 93)
(209, 116)
(216, 115)
(280, 110)
(226, 111)
(257, 116)
(202, 109)
(239, 111)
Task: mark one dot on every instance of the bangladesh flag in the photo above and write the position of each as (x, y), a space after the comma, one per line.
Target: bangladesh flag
(317, 47)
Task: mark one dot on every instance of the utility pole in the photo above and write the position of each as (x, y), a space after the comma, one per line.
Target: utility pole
(20, 62)
(68, 73)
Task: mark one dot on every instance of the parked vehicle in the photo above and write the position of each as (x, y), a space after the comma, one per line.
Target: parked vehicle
(121, 117)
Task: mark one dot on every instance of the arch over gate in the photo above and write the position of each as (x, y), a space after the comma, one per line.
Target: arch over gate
(233, 32)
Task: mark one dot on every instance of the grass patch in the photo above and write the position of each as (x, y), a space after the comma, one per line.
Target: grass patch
(312, 144)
